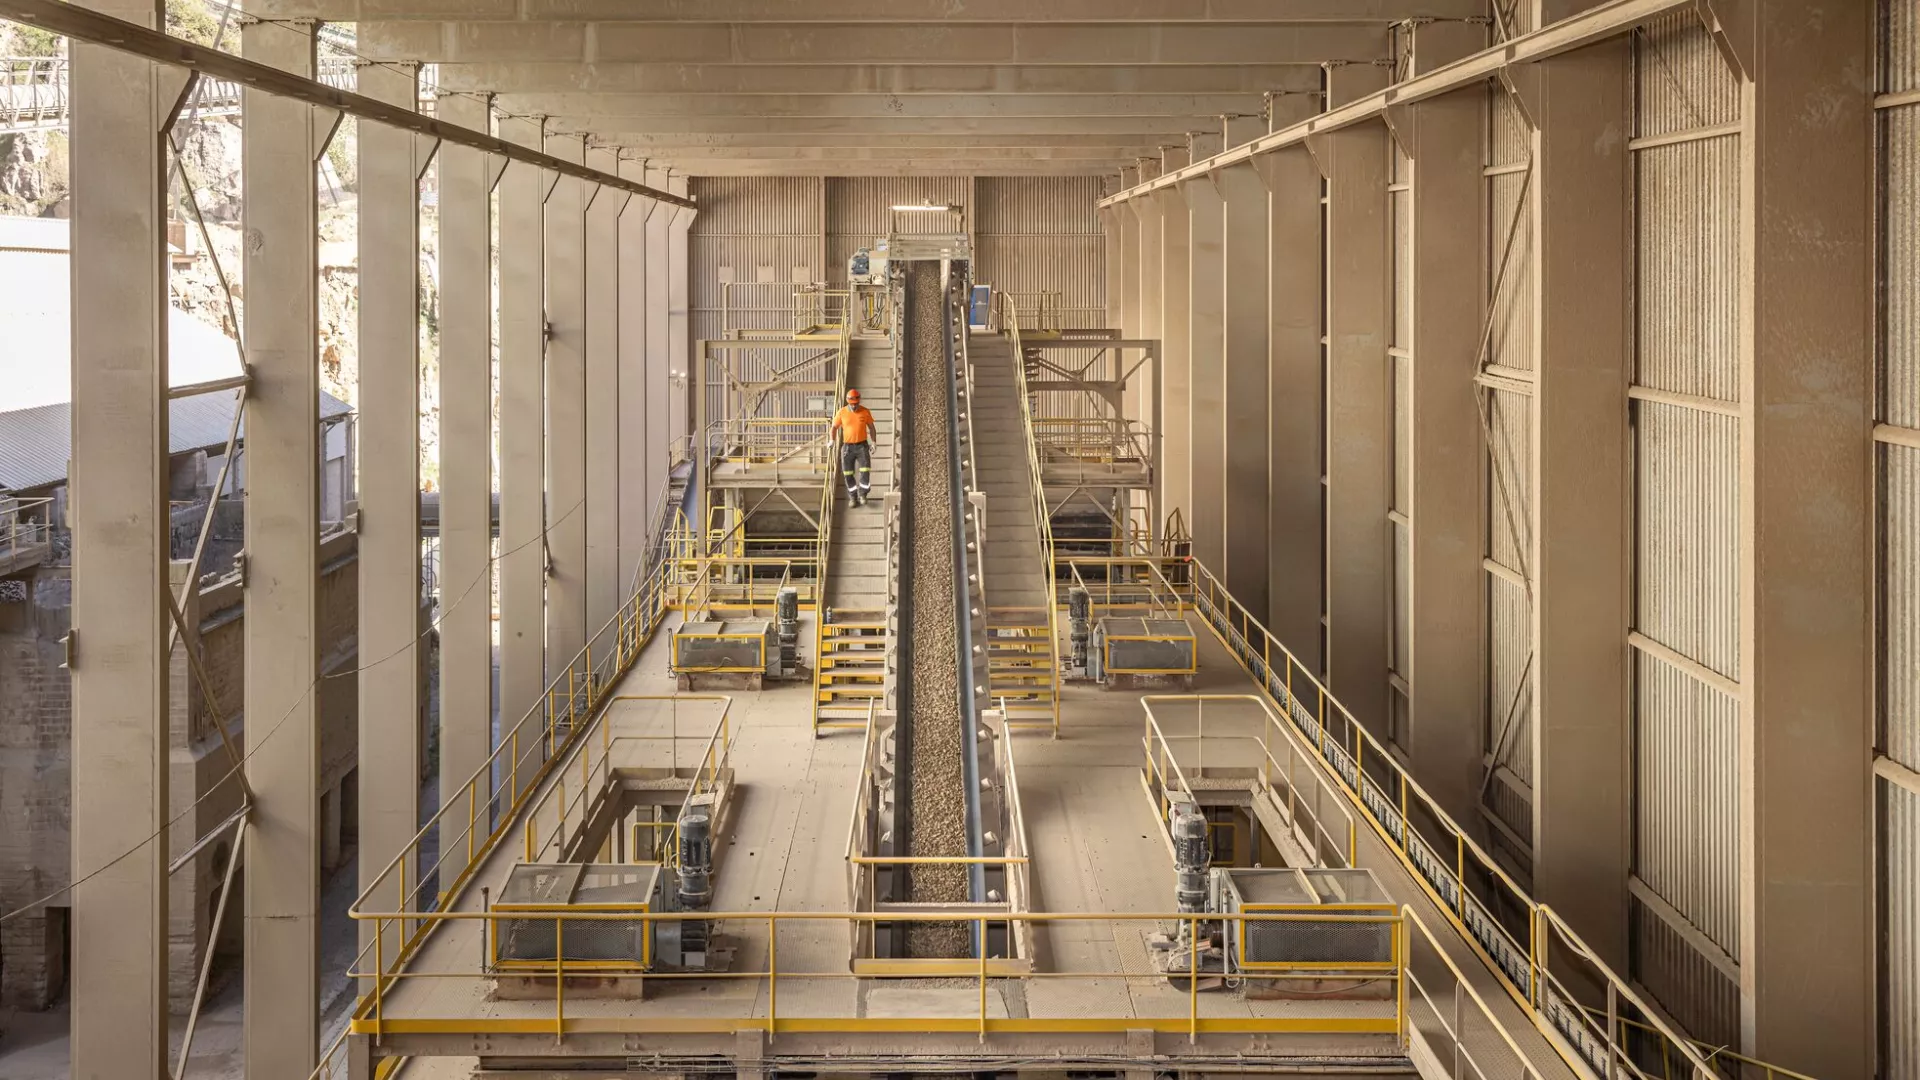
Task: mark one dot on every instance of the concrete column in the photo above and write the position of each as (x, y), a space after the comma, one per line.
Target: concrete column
(604, 212)
(1296, 415)
(679, 340)
(1245, 397)
(1807, 971)
(1114, 236)
(282, 140)
(122, 106)
(1582, 782)
(566, 255)
(521, 194)
(1359, 416)
(661, 427)
(389, 209)
(466, 470)
(640, 485)
(1448, 229)
(1206, 375)
(1176, 464)
(1144, 282)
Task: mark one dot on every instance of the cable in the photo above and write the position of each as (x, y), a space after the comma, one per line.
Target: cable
(484, 574)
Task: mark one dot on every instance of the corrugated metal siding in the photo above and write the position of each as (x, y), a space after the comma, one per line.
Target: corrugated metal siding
(1511, 418)
(1900, 841)
(1900, 605)
(1687, 576)
(1698, 995)
(1903, 46)
(1689, 534)
(1687, 798)
(1402, 433)
(1510, 629)
(860, 211)
(753, 229)
(1689, 258)
(1399, 653)
(1902, 275)
(1044, 233)
(1681, 79)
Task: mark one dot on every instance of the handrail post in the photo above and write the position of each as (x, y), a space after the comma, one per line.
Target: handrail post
(773, 973)
(983, 980)
(1193, 980)
(559, 980)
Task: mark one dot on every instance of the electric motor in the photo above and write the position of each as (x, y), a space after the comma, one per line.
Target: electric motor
(1191, 856)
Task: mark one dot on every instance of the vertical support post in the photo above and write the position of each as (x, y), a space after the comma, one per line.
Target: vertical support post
(640, 485)
(1359, 558)
(1444, 137)
(1807, 581)
(1206, 377)
(1581, 558)
(1176, 393)
(1244, 517)
(281, 142)
(1296, 525)
(661, 429)
(522, 193)
(389, 571)
(679, 341)
(122, 108)
(467, 707)
(604, 212)
(567, 512)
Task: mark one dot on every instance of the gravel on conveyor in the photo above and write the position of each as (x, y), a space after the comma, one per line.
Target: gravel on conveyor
(938, 821)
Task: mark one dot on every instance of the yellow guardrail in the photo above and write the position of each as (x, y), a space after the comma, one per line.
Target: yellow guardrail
(1461, 878)
(824, 554)
(1275, 753)
(1123, 584)
(1043, 519)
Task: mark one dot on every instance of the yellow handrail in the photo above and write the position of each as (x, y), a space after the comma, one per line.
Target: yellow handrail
(1042, 516)
(823, 556)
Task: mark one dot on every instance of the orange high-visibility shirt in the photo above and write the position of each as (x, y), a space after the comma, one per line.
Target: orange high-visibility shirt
(854, 422)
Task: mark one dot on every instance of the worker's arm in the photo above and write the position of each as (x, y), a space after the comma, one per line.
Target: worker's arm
(834, 432)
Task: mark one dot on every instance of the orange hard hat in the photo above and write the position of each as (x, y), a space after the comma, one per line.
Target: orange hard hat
(853, 395)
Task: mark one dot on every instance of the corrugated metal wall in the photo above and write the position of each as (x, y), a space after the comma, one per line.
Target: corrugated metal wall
(1899, 836)
(1509, 525)
(1044, 233)
(859, 212)
(1687, 550)
(751, 229)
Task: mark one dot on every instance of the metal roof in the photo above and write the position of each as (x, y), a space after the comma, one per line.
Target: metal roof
(36, 443)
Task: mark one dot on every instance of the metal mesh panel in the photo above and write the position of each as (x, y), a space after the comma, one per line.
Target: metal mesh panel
(1313, 941)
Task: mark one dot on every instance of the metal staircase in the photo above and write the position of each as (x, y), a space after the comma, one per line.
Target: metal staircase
(851, 649)
(1022, 646)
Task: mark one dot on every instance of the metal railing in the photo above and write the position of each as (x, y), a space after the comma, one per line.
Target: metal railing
(823, 564)
(1272, 754)
(757, 308)
(26, 531)
(35, 90)
(1042, 516)
(1514, 934)
(1040, 310)
(1132, 584)
(1093, 440)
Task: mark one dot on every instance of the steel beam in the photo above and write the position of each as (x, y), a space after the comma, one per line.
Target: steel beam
(566, 369)
(604, 211)
(971, 44)
(904, 79)
(390, 704)
(1243, 394)
(1448, 236)
(281, 142)
(1807, 588)
(466, 476)
(122, 109)
(1581, 192)
(1565, 35)
(81, 24)
(522, 192)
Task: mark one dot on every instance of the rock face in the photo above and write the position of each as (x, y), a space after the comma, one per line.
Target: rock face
(938, 824)
(33, 174)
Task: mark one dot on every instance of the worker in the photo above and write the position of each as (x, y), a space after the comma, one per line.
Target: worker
(853, 424)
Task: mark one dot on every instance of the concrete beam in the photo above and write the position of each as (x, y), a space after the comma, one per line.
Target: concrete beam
(1206, 372)
(1359, 557)
(639, 487)
(694, 166)
(602, 108)
(466, 473)
(1163, 128)
(566, 370)
(972, 44)
(521, 198)
(645, 145)
(960, 156)
(1175, 12)
(1445, 671)
(1244, 393)
(281, 142)
(1582, 781)
(1807, 589)
(119, 516)
(903, 79)
(604, 211)
(389, 439)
